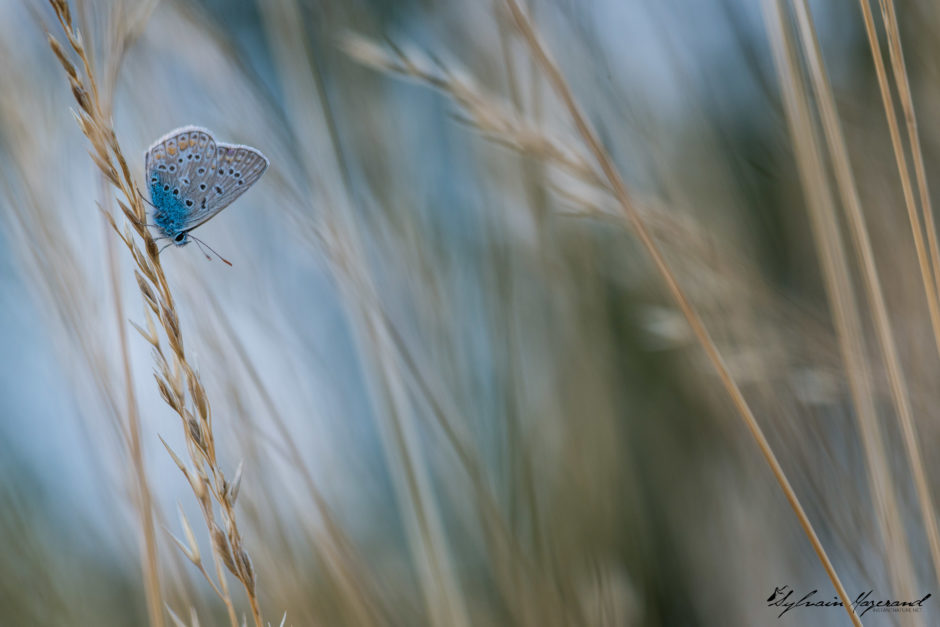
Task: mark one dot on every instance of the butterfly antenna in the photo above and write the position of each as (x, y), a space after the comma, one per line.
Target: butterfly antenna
(202, 243)
(164, 247)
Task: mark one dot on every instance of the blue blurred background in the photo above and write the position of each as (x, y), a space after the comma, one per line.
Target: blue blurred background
(580, 462)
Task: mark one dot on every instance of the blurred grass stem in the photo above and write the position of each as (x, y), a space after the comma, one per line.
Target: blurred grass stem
(630, 213)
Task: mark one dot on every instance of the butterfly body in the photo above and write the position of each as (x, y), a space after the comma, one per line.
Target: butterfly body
(192, 178)
(169, 214)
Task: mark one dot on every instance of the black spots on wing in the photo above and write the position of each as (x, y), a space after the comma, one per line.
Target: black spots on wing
(166, 188)
(203, 205)
(189, 203)
(218, 190)
(162, 167)
(240, 182)
(201, 171)
(202, 186)
(176, 191)
(172, 168)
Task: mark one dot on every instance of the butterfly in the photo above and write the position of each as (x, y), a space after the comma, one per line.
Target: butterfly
(192, 177)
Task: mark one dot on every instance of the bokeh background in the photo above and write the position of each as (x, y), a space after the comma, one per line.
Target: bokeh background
(435, 341)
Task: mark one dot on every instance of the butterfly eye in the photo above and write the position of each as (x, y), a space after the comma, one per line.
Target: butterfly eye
(179, 238)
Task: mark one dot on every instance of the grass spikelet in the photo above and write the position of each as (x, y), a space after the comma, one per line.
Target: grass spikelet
(106, 153)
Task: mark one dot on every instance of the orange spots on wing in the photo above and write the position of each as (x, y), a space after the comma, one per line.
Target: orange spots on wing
(171, 150)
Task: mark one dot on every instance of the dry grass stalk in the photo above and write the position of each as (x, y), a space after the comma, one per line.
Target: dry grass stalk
(484, 112)
(496, 123)
(831, 251)
(907, 187)
(558, 82)
(570, 176)
(899, 68)
(68, 288)
(144, 501)
(444, 600)
(883, 490)
(332, 544)
(396, 361)
(929, 276)
(178, 382)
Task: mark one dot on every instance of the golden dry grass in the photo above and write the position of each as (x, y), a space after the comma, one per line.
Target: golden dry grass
(548, 376)
(178, 382)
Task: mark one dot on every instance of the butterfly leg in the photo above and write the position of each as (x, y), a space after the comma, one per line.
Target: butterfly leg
(144, 198)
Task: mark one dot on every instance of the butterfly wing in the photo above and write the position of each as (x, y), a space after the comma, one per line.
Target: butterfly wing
(235, 169)
(183, 160)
